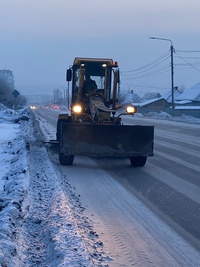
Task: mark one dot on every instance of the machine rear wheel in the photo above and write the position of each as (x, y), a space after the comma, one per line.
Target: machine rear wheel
(66, 160)
(138, 161)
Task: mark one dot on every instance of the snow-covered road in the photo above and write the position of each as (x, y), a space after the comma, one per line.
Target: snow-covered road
(132, 235)
(97, 196)
(99, 212)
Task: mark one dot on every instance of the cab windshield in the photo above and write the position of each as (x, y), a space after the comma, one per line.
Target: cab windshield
(100, 75)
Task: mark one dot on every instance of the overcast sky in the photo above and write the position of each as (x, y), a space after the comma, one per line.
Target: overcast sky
(39, 40)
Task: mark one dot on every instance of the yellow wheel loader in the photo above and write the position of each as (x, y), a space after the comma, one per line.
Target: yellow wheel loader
(93, 126)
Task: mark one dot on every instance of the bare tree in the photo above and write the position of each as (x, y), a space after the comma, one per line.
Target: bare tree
(7, 86)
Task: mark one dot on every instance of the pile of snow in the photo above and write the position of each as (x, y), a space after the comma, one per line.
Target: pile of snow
(18, 210)
(13, 174)
(166, 116)
(5, 113)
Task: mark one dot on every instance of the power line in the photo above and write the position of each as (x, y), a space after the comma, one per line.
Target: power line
(159, 71)
(153, 68)
(156, 67)
(182, 51)
(191, 57)
(187, 62)
(148, 72)
(151, 64)
(145, 86)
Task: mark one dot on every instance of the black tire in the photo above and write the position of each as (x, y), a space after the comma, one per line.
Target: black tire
(58, 132)
(66, 160)
(138, 161)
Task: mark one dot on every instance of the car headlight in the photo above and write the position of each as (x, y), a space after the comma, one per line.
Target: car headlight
(131, 109)
(32, 107)
(77, 109)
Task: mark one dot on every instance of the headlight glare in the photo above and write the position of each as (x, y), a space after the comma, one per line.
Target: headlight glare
(131, 109)
(77, 109)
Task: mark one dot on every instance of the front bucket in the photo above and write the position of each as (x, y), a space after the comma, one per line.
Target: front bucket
(106, 140)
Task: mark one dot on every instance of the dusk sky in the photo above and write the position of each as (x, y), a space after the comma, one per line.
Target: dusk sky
(39, 40)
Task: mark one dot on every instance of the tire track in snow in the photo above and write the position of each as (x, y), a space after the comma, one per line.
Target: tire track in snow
(48, 235)
(111, 234)
(131, 234)
(84, 228)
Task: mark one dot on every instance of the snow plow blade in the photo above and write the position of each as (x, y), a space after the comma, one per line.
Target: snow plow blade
(106, 140)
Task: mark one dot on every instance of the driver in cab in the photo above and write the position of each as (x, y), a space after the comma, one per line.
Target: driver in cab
(89, 86)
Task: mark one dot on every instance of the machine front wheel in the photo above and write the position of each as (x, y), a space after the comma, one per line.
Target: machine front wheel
(66, 160)
(138, 161)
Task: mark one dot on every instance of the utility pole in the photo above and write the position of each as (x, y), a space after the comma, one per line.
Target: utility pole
(172, 75)
(172, 68)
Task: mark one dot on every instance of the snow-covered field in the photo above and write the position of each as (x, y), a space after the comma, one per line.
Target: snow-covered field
(15, 173)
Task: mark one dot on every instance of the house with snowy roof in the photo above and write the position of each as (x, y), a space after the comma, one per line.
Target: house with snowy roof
(187, 103)
(158, 104)
(168, 96)
(190, 96)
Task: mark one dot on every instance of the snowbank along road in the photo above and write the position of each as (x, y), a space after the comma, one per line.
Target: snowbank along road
(104, 212)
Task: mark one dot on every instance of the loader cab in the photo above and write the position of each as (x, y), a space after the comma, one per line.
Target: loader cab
(99, 70)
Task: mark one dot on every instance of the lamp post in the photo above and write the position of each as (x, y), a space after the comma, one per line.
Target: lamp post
(172, 68)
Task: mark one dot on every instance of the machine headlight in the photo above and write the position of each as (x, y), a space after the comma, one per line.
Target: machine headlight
(77, 109)
(131, 109)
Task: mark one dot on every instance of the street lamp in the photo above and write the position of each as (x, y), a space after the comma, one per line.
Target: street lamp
(172, 68)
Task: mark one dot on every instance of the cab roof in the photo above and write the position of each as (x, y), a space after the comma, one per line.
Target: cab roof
(83, 60)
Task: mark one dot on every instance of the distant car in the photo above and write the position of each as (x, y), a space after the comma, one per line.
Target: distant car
(32, 107)
(44, 107)
(55, 107)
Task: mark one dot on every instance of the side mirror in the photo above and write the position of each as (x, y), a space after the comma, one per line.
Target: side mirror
(69, 75)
